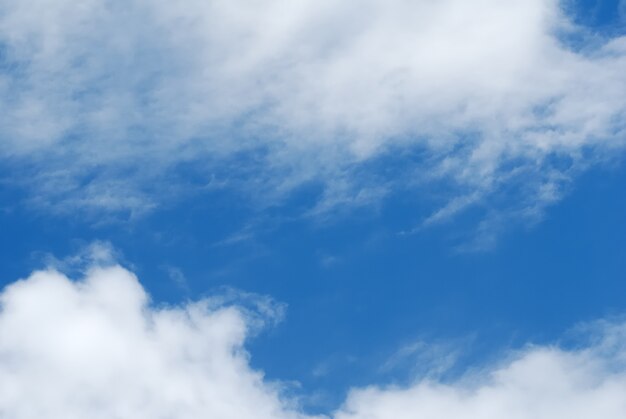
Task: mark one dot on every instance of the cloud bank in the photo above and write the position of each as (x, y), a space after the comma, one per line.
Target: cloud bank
(97, 348)
(117, 106)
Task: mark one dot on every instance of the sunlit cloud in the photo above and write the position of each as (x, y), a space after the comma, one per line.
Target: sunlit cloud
(97, 347)
(104, 103)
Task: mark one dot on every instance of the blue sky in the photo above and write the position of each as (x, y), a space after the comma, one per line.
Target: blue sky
(420, 213)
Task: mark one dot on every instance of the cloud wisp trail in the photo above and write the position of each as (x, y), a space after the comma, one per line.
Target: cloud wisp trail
(263, 97)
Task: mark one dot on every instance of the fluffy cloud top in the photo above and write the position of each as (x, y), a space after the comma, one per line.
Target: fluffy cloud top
(96, 349)
(540, 383)
(484, 94)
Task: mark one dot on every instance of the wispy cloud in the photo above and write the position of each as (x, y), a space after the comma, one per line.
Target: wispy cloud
(120, 106)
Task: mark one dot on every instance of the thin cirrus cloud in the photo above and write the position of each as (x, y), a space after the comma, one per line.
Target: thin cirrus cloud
(97, 348)
(104, 102)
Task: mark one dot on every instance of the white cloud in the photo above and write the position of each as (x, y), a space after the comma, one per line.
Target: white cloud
(104, 100)
(537, 383)
(96, 348)
(542, 383)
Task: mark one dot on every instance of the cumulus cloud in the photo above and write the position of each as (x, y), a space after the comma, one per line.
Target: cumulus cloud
(537, 383)
(100, 100)
(96, 348)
